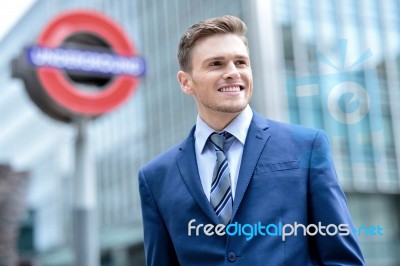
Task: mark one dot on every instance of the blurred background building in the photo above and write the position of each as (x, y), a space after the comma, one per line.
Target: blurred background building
(297, 49)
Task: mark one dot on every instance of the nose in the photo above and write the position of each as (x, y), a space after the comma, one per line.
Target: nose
(231, 71)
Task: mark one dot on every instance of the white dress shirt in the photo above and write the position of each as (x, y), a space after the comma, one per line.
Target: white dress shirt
(205, 153)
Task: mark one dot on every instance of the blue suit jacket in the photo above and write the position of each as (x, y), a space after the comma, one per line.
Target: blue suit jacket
(286, 176)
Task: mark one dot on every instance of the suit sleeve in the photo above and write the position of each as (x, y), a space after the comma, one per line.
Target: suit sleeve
(157, 242)
(327, 204)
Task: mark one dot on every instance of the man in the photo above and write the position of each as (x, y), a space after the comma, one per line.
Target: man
(257, 177)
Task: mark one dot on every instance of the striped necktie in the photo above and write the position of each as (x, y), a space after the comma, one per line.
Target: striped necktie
(221, 194)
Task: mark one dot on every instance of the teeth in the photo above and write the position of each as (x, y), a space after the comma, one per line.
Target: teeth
(230, 89)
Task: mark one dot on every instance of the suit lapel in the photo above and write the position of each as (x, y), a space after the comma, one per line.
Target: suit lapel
(187, 165)
(257, 137)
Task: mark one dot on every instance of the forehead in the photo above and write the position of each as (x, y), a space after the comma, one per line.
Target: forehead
(219, 45)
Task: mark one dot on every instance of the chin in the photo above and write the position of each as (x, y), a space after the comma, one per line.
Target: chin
(231, 108)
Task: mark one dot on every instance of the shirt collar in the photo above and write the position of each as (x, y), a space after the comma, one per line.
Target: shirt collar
(238, 128)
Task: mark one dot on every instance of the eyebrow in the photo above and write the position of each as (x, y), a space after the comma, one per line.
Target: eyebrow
(216, 58)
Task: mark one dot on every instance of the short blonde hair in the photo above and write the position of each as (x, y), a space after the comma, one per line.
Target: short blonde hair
(205, 28)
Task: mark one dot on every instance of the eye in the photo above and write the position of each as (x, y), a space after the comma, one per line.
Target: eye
(215, 63)
(241, 62)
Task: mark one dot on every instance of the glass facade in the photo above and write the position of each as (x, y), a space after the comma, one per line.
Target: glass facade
(339, 57)
(300, 50)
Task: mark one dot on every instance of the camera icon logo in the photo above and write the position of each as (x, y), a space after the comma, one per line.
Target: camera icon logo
(348, 102)
(344, 104)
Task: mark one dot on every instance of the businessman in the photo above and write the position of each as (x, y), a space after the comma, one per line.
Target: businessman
(240, 189)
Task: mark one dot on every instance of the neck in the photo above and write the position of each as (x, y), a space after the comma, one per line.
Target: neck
(218, 121)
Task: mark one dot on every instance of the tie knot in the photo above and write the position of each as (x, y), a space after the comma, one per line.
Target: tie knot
(218, 140)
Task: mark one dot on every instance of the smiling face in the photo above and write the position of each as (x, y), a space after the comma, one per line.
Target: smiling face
(220, 78)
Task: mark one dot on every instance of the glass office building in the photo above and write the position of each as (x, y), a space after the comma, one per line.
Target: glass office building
(309, 59)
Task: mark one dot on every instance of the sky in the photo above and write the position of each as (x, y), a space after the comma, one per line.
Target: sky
(10, 13)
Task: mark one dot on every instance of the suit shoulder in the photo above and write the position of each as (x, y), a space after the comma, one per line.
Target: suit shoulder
(295, 131)
(282, 127)
(164, 159)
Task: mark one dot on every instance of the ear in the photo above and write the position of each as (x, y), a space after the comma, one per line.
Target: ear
(185, 82)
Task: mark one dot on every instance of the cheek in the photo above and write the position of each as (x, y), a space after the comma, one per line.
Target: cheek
(249, 77)
(205, 86)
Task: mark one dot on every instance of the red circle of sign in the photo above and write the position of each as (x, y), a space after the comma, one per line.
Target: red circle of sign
(60, 88)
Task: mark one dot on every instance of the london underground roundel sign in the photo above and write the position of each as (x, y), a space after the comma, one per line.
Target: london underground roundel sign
(52, 60)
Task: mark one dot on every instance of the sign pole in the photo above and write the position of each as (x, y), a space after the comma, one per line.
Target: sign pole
(44, 69)
(84, 211)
